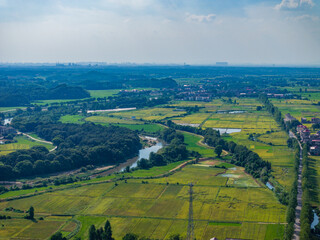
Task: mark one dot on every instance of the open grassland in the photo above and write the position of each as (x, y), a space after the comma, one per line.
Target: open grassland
(108, 120)
(103, 93)
(150, 113)
(72, 119)
(23, 142)
(159, 208)
(194, 144)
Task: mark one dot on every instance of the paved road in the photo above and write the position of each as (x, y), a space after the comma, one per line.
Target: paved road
(297, 224)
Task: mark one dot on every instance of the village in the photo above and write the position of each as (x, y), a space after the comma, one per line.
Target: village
(313, 140)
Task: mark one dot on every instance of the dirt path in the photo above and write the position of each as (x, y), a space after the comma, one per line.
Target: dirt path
(39, 140)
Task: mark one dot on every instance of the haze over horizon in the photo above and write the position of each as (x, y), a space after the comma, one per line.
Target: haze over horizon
(282, 32)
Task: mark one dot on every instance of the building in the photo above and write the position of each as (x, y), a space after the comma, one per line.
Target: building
(315, 150)
(304, 133)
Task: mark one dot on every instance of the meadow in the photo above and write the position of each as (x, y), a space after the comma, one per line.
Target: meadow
(23, 142)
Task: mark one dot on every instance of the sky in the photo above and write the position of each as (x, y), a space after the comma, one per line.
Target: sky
(197, 32)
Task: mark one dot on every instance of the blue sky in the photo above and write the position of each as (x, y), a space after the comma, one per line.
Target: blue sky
(284, 32)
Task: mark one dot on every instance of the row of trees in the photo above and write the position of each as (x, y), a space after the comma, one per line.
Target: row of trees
(276, 113)
(306, 215)
(78, 146)
(292, 202)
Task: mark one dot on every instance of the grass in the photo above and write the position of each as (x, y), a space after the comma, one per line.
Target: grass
(103, 93)
(150, 113)
(23, 142)
(192, 142)
(111, 120)
(72, 119)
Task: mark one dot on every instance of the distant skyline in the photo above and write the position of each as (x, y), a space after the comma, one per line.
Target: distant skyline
(196, 32)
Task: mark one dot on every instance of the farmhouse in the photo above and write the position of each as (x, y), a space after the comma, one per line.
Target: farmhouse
(315, 150)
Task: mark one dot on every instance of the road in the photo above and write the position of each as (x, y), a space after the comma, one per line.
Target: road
(297, 224)
(39, 140)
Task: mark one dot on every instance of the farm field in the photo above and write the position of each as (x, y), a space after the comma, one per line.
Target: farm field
(297, 108)
(150, 113)
(111, 120)
(159, 208)
(23, 142)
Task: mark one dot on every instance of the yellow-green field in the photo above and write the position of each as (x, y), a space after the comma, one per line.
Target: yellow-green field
(227, 203)
(150, 114)
(105, 119)
(22, 143)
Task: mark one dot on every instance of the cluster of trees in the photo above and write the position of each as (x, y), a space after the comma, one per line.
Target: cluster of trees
(4, 217)
(30, 214)
(77, 146)
(175, 151)
(101, 233)
(276, 113)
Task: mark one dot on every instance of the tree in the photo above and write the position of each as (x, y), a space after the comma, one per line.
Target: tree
(92, 233)
(130, 236)
(107, 231)
(31, 212)
(57, 236)
(175, 237)
(218, 150)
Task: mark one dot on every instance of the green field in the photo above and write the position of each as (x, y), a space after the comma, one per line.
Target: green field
(160, 207)
(193, 144)
(111, 120)
(103, 93)
(23, 142)
(150, 113)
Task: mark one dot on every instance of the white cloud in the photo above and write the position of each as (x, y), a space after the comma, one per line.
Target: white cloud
(305, 17)
(293, 4)
(200, 18)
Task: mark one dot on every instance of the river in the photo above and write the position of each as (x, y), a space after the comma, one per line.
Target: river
(145, 153)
